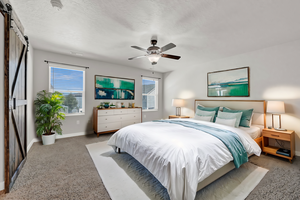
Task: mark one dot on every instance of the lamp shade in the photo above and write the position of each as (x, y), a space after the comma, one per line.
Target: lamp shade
(177, 102)
(275, 107)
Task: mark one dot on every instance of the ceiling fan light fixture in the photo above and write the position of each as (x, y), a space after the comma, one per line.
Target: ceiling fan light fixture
(153, 58)
(56, 4)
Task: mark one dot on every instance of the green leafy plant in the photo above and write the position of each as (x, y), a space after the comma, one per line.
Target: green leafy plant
(48, 112)
(71, 102)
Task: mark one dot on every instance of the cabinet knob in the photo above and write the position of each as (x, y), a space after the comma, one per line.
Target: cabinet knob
(105, 119)
(105, 126)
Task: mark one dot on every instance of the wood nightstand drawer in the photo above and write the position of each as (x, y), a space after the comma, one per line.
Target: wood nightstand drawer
(175, 116)
(276, 135)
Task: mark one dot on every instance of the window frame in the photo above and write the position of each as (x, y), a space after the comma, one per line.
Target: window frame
(68, 91)
(155, 95)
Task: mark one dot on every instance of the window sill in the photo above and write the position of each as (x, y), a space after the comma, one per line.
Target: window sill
(74, 115)
(149, 110)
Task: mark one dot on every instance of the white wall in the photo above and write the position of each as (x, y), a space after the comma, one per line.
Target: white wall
(1, 103)
(30, 95)
(41, 78)
(274, 75)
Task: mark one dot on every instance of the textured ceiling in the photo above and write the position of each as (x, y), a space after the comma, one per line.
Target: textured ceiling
(203, 30)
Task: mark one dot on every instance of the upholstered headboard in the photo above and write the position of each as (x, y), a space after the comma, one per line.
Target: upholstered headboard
(259, 106)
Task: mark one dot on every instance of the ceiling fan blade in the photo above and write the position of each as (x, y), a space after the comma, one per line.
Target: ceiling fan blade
(139, 48)
(170, 56)
(137, 57)
(167, 47)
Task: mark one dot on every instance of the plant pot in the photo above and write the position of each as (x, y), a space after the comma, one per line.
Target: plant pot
(48, 139)
(106, 105)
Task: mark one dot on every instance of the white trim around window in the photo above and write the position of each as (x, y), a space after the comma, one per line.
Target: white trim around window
(155, 95)
(69, 91)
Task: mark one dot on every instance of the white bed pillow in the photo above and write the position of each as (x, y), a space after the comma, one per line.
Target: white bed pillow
(227, 122)
(203, 113)
(227, 115)
(203, 118)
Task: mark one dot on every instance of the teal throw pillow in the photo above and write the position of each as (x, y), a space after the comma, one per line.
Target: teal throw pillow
(246, 116)
(216, 109)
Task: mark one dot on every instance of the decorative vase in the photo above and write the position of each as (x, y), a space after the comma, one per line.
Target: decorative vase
(106, 105)
(118, 105)
(48, 139)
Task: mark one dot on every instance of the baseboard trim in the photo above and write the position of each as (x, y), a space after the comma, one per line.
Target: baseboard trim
(73, 134)
(58, 137)
(31, 143)
(297, 153)
(2, 188)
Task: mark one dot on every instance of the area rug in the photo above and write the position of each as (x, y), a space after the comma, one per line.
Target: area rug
(126, 179)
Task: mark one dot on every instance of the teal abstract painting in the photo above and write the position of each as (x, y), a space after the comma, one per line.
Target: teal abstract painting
(228, 83)
(114, 88)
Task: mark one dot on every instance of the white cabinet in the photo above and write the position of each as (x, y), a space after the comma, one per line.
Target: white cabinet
(110, 120)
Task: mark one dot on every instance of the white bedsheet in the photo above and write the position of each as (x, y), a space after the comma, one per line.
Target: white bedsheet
(179, 157)
(254, 131)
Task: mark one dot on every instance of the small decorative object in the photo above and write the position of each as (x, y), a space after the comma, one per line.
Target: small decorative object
(118, 105)
(178, 103)
(100, 106)
(276, 108)
(122, 105)
(48, 114)
(132, 105)
(229, 83)
(129, 105)
(107, 87)
(106, 104)
(112, 105)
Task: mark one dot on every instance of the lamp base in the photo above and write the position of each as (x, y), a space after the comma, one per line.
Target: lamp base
(280, 129)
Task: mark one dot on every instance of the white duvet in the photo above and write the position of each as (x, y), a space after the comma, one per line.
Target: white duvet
(179, 157)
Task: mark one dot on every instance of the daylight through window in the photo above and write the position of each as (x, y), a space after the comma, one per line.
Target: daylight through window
(70, 81)
(150, 94)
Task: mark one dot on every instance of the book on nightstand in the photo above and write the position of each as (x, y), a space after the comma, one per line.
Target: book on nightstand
(284, 152)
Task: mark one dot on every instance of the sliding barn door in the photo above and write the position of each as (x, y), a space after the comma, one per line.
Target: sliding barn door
(15, 84)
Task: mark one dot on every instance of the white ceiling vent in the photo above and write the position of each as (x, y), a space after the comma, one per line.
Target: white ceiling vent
(56, 4)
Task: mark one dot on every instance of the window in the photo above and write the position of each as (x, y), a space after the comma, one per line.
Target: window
(70, 81)
(150, 94)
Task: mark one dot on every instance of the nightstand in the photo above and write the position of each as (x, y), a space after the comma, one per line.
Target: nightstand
(175, 116)
(288, 136)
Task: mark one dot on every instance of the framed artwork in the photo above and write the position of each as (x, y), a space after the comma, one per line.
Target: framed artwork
(229, 83)
(107, 87)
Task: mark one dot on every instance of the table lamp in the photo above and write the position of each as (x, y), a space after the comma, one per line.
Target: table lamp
(276, 108)
(178, 103)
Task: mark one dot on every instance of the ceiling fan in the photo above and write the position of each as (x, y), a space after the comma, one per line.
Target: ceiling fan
(155, 52)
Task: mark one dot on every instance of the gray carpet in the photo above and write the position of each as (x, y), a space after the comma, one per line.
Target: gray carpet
(66, 171)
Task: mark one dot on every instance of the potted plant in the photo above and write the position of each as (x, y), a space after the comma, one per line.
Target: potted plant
(106, 104)
(112, 105)
(48, 113)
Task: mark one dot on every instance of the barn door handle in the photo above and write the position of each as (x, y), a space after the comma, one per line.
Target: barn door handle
(14, 103)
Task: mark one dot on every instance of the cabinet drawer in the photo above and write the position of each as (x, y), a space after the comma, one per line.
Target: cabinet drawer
(109, 126)
(130, 122)
(105, 112)
(103, 119)
(276, 135)
(120, 111)
(132, 117)
(134, 111)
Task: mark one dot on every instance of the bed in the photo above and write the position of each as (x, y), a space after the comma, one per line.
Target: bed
(186, 159)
